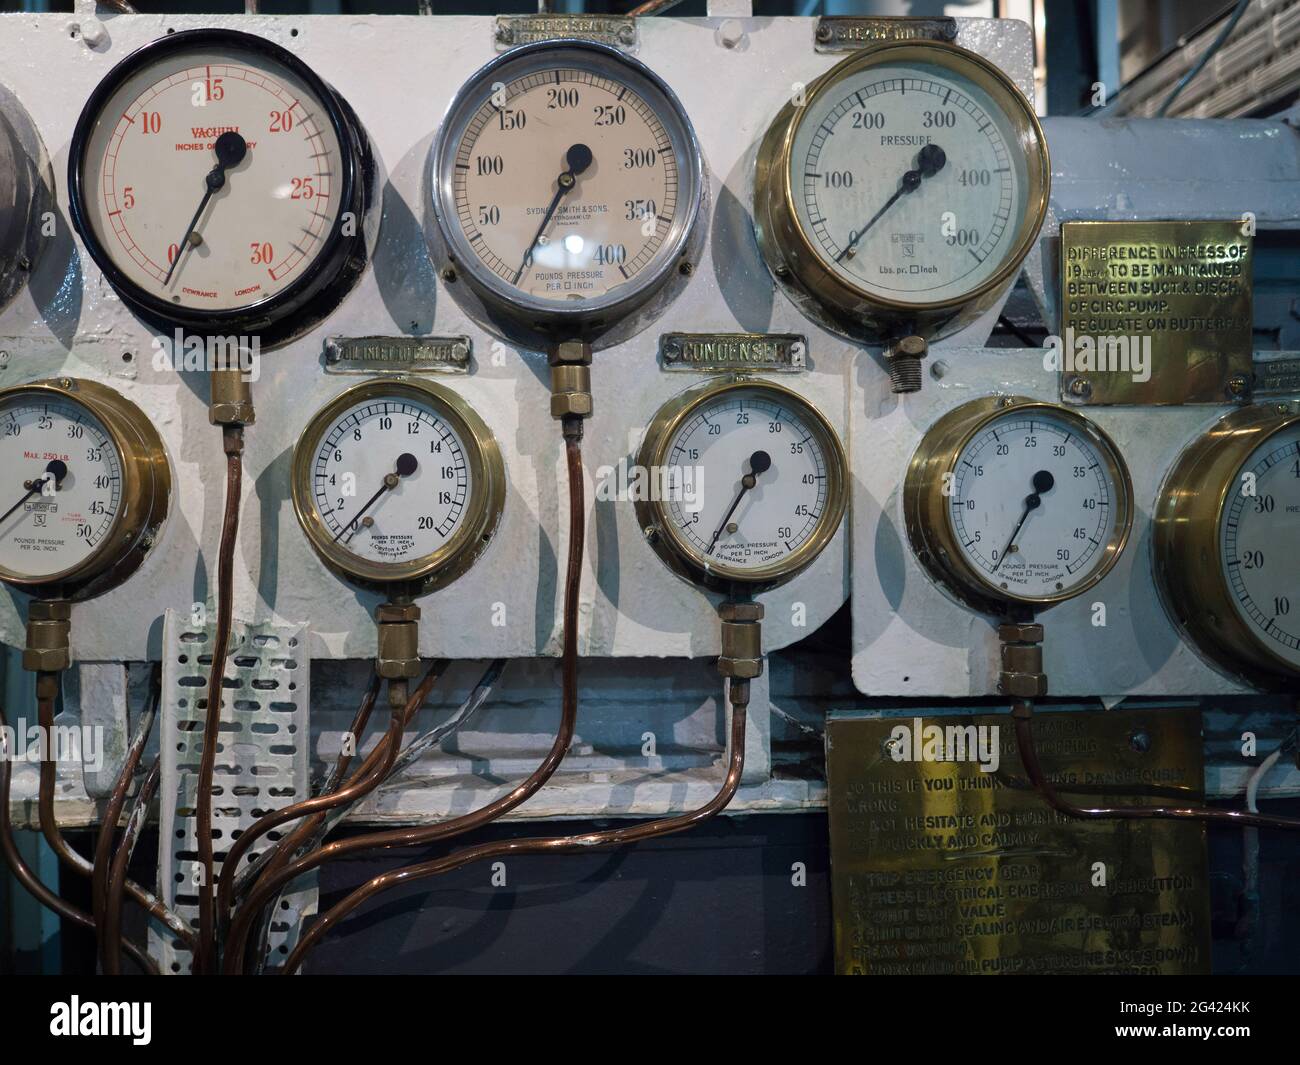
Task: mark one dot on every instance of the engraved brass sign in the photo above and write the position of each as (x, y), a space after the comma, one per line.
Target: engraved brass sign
(729, 352)
(381, 354)
(1277, 377)
(1155, 312)
(617, 30)
(845, 33)
(957, 865)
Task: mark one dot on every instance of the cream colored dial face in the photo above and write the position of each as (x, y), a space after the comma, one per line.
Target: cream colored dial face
(147, 168)
(566, 184)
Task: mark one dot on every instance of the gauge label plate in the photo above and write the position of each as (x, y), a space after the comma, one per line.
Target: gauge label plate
(941, 867)
(1154, 312)
(1277, 377)
(729, 352)
(618, 31)
(845, 33)
(386, 354)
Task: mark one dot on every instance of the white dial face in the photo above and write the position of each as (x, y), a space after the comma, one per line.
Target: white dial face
(186, 123)
(566, 182)
(1258, 536)
(1033, 505)
(910, 182)
(752, 478)
(391, 480)
(64, 486)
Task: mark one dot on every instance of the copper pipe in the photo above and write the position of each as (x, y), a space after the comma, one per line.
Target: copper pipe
(233, 442)
(363, 784)
(1022, 712)
(545, 844)
(652, 7)
(23, 873)
(111, 921)
(268, 886)
(117, 800)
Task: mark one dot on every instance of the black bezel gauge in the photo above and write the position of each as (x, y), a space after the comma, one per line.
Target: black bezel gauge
(167, 194)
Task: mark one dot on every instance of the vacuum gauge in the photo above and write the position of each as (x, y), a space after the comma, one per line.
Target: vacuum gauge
(566, 182)
(88, 487)
(751, 483)
(219, 183)
(1012, 502)
(903, 191)
(398, 481)
(1226, 532)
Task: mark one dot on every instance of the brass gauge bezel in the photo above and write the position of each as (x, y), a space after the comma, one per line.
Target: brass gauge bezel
(487, 480)
(146, 490)
(793, 256)
(681, 556)
(1185, 546)
(927, 507)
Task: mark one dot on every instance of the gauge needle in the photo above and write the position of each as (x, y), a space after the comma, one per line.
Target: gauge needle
(578, 159)
(1043, 482)
(230, 149)
(929, 161)
(406, 465)
(759, 462)
(56, 470)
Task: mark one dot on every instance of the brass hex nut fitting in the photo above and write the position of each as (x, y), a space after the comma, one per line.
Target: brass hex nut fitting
(231, 400)
(49, 624)
(742, 640)
(399, 641)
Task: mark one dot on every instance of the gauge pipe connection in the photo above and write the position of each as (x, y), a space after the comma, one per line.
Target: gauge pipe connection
(903, 356)
(571, 384)
(49, 626)
(398, 657)
(1022, 675)
(742, 640)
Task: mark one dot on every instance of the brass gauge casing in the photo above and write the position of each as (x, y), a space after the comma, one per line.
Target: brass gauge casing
(930, 496)
(476, 519)
(1188, 560)
(138, 484)
(803, 263)
(825, 491)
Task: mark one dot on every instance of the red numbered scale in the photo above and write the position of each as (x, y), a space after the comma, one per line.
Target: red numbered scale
(221, 185)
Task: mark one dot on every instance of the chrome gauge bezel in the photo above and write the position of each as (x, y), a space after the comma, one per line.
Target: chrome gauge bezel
(566, 318)
(682, 557)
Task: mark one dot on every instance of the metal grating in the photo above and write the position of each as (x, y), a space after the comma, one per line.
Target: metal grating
(262, 758)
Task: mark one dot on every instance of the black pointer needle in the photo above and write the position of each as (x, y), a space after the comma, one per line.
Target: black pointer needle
(230, 149)
(56, 469)
(578, 159)
(1043, 482)
(759, 462)
(929, 161)
(406, 465)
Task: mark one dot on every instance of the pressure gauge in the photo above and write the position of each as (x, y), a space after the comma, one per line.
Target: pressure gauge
(566, 182)
(1011, 502)
(88, 487)
(398, 481)
(25, 195)
(902, 192)
(219, 183)
(1227, 526)
(748, 483)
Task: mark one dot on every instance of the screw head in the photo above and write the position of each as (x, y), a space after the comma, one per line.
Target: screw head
(1140, 740)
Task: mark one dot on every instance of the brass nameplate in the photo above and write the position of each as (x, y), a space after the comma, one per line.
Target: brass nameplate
(1277, 377)
(845, 33)
(729, 352)
(379, 354)
(1155, 312)
(617, 30)
(958, 866)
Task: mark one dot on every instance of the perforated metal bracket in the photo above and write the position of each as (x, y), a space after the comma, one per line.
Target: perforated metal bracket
(262, 759)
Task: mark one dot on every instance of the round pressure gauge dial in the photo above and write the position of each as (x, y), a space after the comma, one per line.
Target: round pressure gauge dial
(1009, 501)
(748, 483)
(566, 182)
(88, 487)
(25, 195)
(398, 481)
(217, 181)
(905, 191)
(1226, 529)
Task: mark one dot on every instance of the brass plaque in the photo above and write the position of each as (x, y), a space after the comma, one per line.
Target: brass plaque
(729, 352)
(1277, 377)
(1155, 312)
(616, 30)
(380, 354)
(957, 865)
(845, 33)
